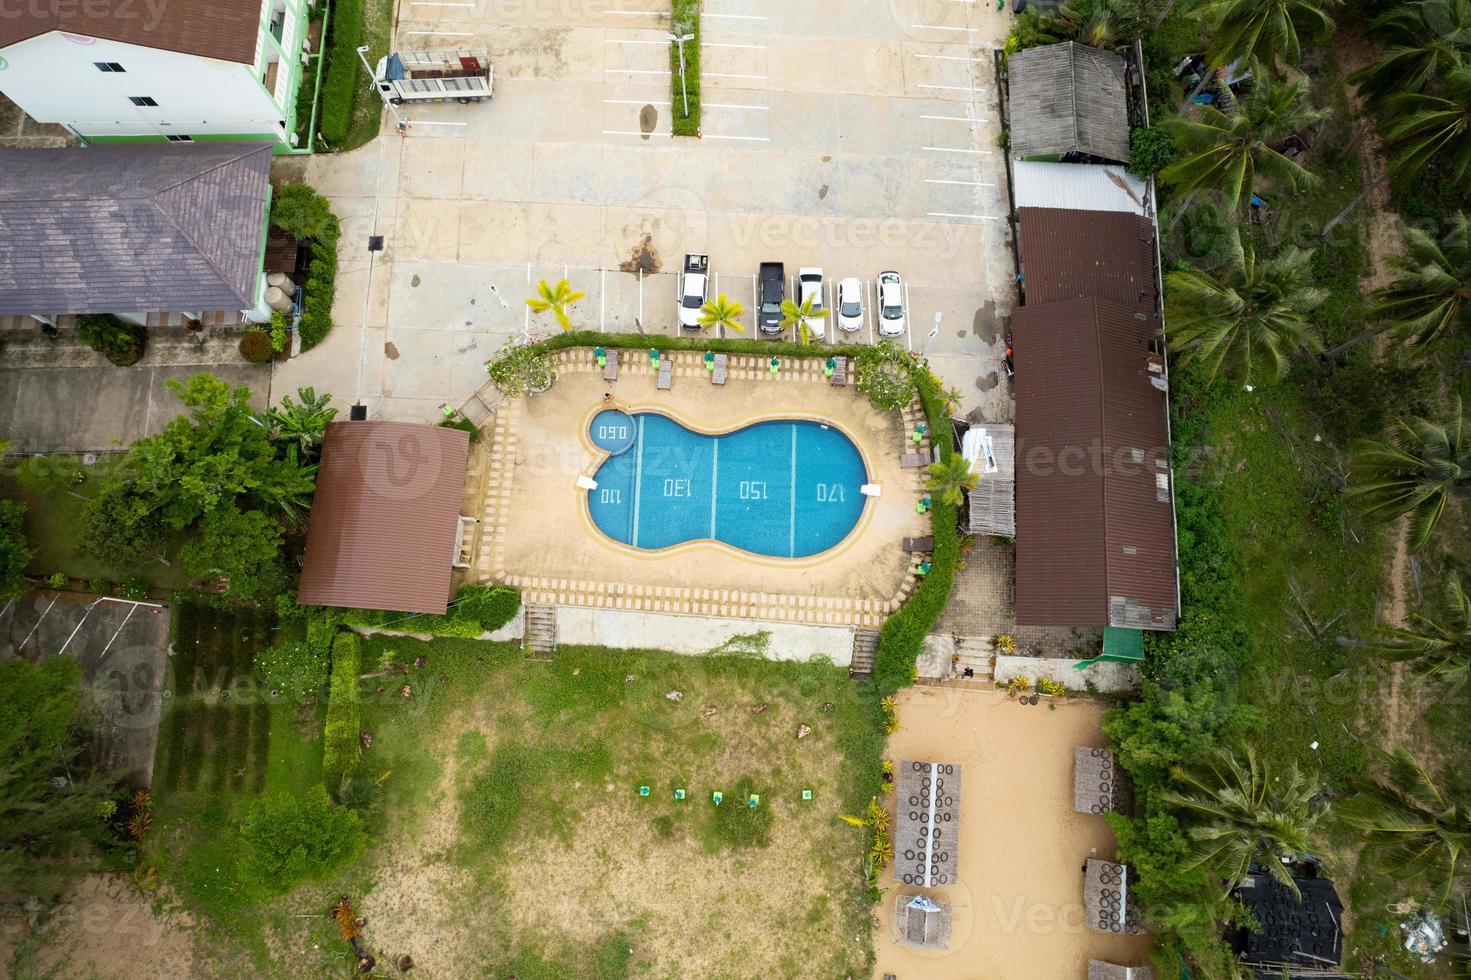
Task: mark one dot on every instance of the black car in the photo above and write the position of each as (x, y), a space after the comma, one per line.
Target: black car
(773, 291)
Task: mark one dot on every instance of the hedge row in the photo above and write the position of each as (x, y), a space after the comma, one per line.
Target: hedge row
(344, 82)
(475, 609)
(768, 348)
(686, 14)
(307, 216)
(340, 749)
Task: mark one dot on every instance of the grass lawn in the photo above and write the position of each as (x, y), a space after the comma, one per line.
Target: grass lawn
(512, 839)
(53, 521)
(367, 108)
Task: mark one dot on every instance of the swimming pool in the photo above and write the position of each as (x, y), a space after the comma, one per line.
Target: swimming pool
(786, 489)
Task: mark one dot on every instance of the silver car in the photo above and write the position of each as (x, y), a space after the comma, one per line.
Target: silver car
(891, 304)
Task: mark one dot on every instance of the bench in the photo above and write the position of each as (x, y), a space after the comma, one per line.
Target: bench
(666, 373)
(913, 461)
(923, 545)
(610, 373)
(717, 376)
(840, 372)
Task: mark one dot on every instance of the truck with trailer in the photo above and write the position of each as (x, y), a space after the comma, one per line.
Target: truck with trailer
(773, 289)
(435, 76)
(694, 289)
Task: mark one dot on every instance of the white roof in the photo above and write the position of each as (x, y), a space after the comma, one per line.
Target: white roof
(1079, 187)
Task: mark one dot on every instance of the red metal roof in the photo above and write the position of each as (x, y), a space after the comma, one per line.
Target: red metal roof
(385, 520)
(222, 29)
(1070, 254)
(1095, 536)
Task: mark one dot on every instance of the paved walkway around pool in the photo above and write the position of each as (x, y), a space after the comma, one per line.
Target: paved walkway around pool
(535, 531)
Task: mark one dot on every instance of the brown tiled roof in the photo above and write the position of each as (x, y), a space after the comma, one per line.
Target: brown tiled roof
(1095, 542)
(1079, 254)
(222, 29)
(385, 521)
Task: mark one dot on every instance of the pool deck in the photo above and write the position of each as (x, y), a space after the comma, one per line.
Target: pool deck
(535, 531)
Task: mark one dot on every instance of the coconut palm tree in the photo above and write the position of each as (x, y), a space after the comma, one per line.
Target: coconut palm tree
(1224, 153)
(722, 312)
(1421, 129)
(795, 315)
(951, 479)
(1414, 827)
(1264, 30)
(1423, 41)
(1432, 293)
(1435, 643)
(1416, 472)
(1240, 813)
(304, 421)
(556, 299)
(1248, 320)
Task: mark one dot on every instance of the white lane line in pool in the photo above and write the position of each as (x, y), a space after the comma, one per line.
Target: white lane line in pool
(638, 478)
(714, 481)
(792, 513)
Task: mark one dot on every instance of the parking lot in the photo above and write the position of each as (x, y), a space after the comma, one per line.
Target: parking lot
(857, 136)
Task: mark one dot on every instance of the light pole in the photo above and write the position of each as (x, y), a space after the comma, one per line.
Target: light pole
(684, 88)
(930, 337)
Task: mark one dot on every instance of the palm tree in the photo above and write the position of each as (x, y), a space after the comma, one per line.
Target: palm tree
(1433, 290)
(951, 479)
(1264, 30)
(1223, 153)
(302, 422)
(287, 485)
(1421, 128)
(1249, 320)
(793, 315)
(1091, 23)
(1240, 813)
(1414, 828)
(1436, 647)
(1415, 472)
(1424, 41)
(722, 312)
(556, 299)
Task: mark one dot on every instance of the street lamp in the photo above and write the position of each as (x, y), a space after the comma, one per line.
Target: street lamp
(680, 39)
(930, 337)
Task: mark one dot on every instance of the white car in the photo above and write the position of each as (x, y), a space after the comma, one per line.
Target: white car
(891, 304)
(809, 284)
(694, 290)
(850, 304)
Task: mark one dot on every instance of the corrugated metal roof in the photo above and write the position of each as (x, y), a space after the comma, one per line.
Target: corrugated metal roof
(385, 520)
(222, 29)
(1067, 98)
(991, 448)
(1095, 541)
(1079, 187)
(1080, 254)
(124, 228)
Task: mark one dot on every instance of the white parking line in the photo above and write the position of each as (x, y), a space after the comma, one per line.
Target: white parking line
(638, 102)
(870, 309)
(751, 139)
(956, 149)
(968, 183)
(746, 47)
(908, 320)
(735, 16)
(732, 105)
(639, 71)
(947, 214)
(949, 88)
(936, 27)
(616, 40)
(964, 119)
(634, 132)
(721, 74)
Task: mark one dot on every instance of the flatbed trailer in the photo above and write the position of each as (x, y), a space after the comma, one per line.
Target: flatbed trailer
(435, 76)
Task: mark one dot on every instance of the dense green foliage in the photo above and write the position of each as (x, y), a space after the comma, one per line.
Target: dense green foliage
(1150, 151)
(886, 375)
(292, 838)
(241, 549)
(519, 368)
(474, 609)
(43, 829)
(15, 551)
(685, 19)
(307, 216)
(345, 81)
(120, 341)
(255, 346)
(340, 748)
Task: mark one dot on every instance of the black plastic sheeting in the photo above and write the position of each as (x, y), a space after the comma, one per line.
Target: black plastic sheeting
(1305, 932)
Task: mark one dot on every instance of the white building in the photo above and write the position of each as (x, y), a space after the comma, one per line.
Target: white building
(182, 70)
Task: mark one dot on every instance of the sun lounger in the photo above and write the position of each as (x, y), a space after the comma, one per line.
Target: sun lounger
(610, 373)
(666, 373)
(840, 372)
(913, 461)
(717, 376)
(923, 545)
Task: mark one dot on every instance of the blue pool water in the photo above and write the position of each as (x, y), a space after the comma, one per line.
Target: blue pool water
(787, 489)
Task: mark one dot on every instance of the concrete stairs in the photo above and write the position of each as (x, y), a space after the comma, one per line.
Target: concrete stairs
(865, 653)
(541, 631)
(977, 653)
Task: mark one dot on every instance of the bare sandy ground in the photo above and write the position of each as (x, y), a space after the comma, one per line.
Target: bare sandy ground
(1018, 909)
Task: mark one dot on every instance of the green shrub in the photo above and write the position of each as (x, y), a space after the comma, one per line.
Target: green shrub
(1150, 151)
(255, 346)
(686, 19)
(344, 82)
(100, 586)
(291, 838)
(464, 425)
(295, 668)
(135, 587)
(475, 609)
(307, 216)
(340, 748)
(490, 606)
(885, 374)
(734, 825)
(280, 325)
(57, 580)
(119, 341)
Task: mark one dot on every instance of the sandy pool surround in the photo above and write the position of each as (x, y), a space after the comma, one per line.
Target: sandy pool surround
(536, 532)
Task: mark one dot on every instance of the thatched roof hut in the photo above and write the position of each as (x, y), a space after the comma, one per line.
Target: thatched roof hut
(927, 823)
(1099, 970)
(921, 921)
(1108, 905)
(1099, 785)
(991, 449)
